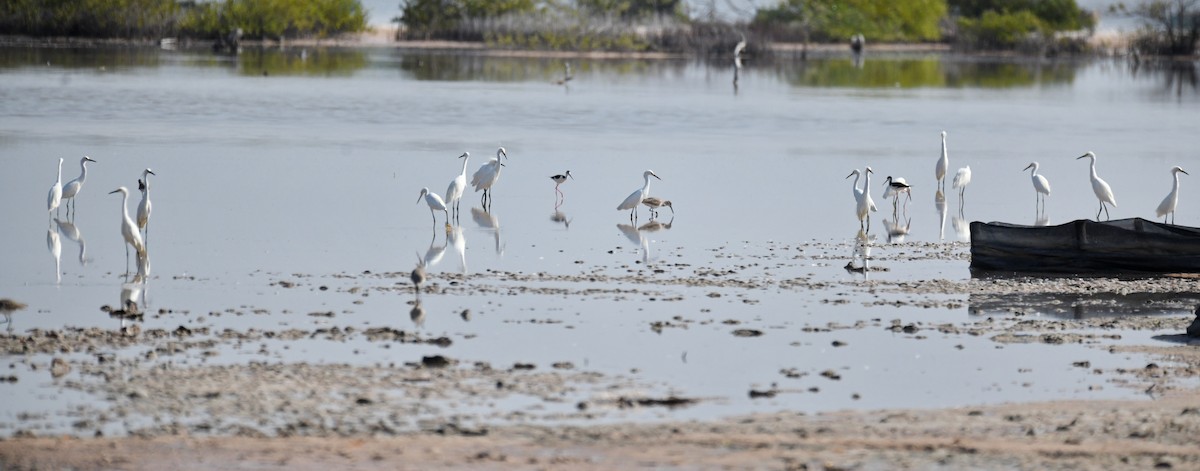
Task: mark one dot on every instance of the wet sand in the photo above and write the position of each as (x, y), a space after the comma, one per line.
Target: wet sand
(275, 414)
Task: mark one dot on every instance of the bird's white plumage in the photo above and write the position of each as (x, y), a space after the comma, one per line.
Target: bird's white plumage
(455, 190)
(862, 196)
(55, 197)
(634, 199)
(962, 178)
(943, 163)
(143, 210)
(128, 230)
(435, 203)
(72, 188)
(1040, 184)
(1172, 200)
(1100, 187)
(488, 173)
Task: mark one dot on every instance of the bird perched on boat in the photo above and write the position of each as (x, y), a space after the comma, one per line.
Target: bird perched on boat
(943, 165)
(634, 199)
(1100, 187)
(1172, 200)
(657, 203)
(862, 196)
(73, 187)
(486, 176)
(1041, 186)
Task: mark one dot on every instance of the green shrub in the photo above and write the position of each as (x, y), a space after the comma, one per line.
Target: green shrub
(998, 30)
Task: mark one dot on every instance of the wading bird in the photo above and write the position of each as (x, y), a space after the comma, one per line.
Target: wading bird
(655, 204)
(435, 204)
(55, 196)
(486, 176)
(862, 197)
(892, 187)
(143, 211)
(1041, 186)
(1172, 200)
(558, 180)
(73, 187)
(128, 230)
(454, 191)
(962, 178)
(943, 164)
(634, 199)
(1100, 187)
(417, 276)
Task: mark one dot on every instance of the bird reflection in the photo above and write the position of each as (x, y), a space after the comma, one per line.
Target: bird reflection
(939, 203)
(561, 218)
(1042, 220)
(435, 252)
(72, 233)
(895, 232)
(55, 245)
(655, 225)
(417, 314)
(459, 242)
(962, 228)
(487, 220)
(861, 253)
(634, 234)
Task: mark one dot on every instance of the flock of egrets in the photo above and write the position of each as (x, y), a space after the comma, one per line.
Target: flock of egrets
(893, 187)
(65, 195)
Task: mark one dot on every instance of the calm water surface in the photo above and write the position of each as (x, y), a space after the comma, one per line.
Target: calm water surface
(306, 164)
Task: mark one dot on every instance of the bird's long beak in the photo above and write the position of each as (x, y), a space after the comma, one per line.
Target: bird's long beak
(850, 175)
(1080, 157)
(1184, 172)
(88, 159)
(1027, 167)
(572, 177)
(656, 176)
(151, 172)
(114, 191)
(419, 199)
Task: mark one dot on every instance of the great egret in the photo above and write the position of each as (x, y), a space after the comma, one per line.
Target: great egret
(1041, 186)
(892, 189)
(1172, 200)
(943, 165)
(435, 204)
(454, 192)
(739, 47)
(128, 230)
(1100, 187)
(143, 211)
(73, 187)
(486, 176)
(634, 199)
(657, 203)
(862, 197)
(962, 178)
(55, 196)
(559, 179)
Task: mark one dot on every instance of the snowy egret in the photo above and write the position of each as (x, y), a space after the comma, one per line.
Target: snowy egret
(1100, 187)
(862, 197)
(1172, 200)
(739, 47)
(1041, 186)
(634, 199)
(55, 196)
(892, 189)
(73, 187)
(486, 176)
(657, 203)
(435, 204)
(143, 211)
(454, 192)
(943, 165)
(962, 178)
(559, 179)
(128, 230)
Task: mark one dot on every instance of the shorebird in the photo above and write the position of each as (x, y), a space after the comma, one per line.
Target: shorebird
(634, 199)
(1103, 192)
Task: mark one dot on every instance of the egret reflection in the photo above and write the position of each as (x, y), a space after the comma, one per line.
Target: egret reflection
(55, 246)
(488, 221)
(962, 228)
(69, 230)
(939, 203)
(896, 232)
(861, 253)
(634, 235)
(434, 254)
(457, 240)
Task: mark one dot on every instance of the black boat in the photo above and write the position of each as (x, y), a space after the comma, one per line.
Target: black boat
(1122, 246)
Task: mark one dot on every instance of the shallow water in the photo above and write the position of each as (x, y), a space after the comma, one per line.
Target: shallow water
(305, 166)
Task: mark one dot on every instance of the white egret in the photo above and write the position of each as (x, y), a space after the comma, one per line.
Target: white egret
(962, 178)
(73, 187)
(435, 204)
(634, 199)
(943, 165)
(892, 189)
(1041, 186)
(862, 196)
(55, 196)
(454, 192)
(486, 176)
(1172, 200)
(739, 47)
(657, 203)
(143, 211)
(559, 179)
(1100, 187)
(128, 230)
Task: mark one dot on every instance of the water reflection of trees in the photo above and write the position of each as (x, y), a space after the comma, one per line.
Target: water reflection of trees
(301, 62)
(251, 61)
(443, 66)
(932, 71)
(1179, 78)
